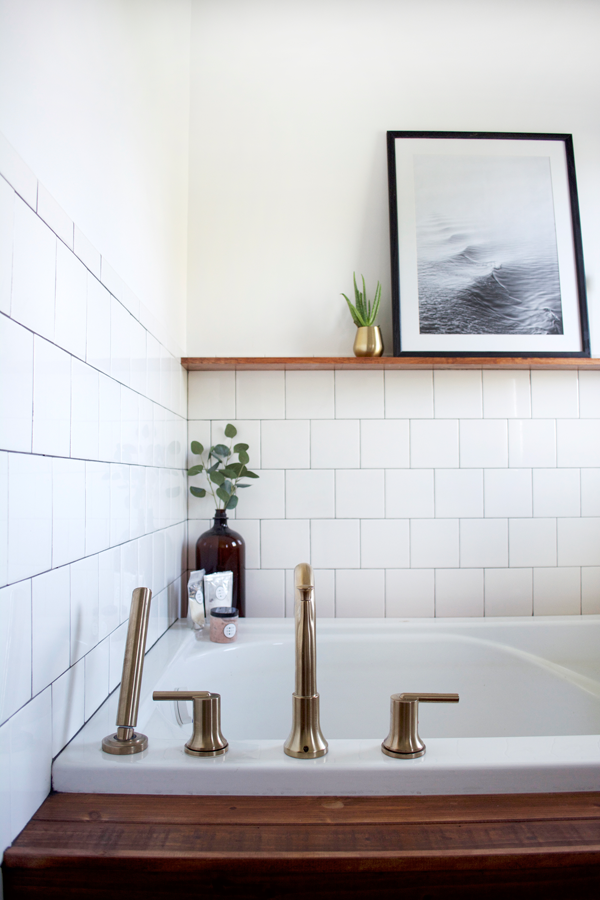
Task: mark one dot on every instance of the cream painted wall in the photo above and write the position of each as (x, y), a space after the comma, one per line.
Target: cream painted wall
(290, 102)
(94, 96)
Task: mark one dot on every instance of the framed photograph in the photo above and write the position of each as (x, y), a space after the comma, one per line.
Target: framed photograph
(485, 245)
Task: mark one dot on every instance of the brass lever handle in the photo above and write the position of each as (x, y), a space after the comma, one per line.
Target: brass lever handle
(403, 741)
(207, 738)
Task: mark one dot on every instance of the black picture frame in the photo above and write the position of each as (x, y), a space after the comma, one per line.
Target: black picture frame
(424, 156)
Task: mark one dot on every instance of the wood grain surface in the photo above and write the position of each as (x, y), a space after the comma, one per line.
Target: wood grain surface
(216, 363)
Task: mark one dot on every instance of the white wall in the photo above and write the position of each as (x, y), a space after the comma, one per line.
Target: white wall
(290, 102)
(444, 493)
(94, 97)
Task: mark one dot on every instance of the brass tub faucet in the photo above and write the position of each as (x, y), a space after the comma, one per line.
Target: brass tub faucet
(403, 741)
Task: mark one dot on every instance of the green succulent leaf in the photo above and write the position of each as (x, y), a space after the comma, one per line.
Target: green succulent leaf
(230, 431)
(232, 502)
(196, 448)
(217, 478)
(198, 492)
(220, 450)
(238, 448)
(195, 470)
(244, 458)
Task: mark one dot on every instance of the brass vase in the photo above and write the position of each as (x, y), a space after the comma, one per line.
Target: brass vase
(368, 341)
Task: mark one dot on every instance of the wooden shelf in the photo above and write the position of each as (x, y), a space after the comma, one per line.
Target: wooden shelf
(245, 363)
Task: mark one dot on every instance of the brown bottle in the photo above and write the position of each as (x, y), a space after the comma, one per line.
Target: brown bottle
(222, 550)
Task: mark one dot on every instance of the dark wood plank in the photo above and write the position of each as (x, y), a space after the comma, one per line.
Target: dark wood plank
(207, 364)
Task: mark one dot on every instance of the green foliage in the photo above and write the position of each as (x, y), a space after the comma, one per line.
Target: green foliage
(223, 474)
(363, 312)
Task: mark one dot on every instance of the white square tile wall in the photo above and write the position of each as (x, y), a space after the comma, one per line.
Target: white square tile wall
(92, 465)
(414, 493)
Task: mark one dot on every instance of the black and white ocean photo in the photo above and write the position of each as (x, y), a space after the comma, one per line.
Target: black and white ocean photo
(486, 245)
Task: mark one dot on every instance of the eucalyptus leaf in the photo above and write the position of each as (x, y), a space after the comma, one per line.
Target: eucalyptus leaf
(248, 474)
(195, 470)
(223, 495)
(213, 468)
(231, 471)
(217, 478)
(230, 431)
(198, 492)
(196, 448)
(239, 447)
(238, 486)
(232, 502)
(221, 450)
(244, 458)
(227, 486)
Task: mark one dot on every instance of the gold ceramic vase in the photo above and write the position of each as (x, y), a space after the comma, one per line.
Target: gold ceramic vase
(368, 341)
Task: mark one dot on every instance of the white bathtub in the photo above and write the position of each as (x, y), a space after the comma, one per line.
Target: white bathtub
(528, 717)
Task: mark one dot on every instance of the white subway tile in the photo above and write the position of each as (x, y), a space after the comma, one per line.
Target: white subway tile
(554, 395)
(4, 518)
(409, 493)
(265, 593)
(7, 215)
(29, 516)
(556, 492)
(130, 426)
(110, 279)
(434, 543)
(136, 571)
(483, 444)
(579, 542)
(67, 706)
(360, 594)
(335, 444)
(507, 493)
(309, 395)
(158, 562)
(159, 427)
(506, 395)
(335, 543)
(359, 493)
(86, 252)
(384, 443)
(578, 443)
(109, 415)
(54, 215)
(15, 648)
(409, 395)
(137, 501)
(96, 678)
(109, 591)
(211, 395)
(259, 395)
(458, 492)
(309, 494)
(30, 759)
(17, 173)
(34, 272)
(97, 507)
(483, 542)
(68, 511)
(590, 591)
(71, 303)
(119, 504)
(589, 395)
(166, 373)
(16, 377)
(137, 356)
(384, 544)
(532, 442)
(265, 498)
(116, 653)
(457, 394)
(532, 542)
(590, 492)
(433, 444)
(153, 369)
(285, 444)
(51, 399)
(283, 544)
(51, 623)
(458, 592)
(98, 326)
(557, 592)
(85, 607)
(409, 593)
(358, 395)
(120, 342)
(6, 834)
(508, 592)
(84, 411)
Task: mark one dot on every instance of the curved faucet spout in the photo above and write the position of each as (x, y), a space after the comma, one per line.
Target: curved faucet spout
(306, 739)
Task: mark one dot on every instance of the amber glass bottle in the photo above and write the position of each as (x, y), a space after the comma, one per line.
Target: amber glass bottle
(222, 550)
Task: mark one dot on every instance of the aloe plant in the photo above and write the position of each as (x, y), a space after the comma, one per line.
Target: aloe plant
(363, 312)
(223, 474)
